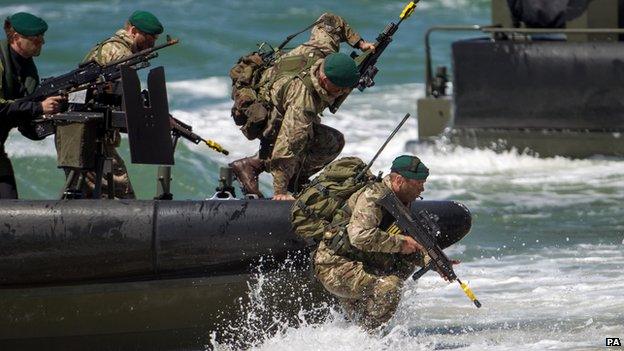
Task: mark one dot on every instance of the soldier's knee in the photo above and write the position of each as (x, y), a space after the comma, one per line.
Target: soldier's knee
(388, 287)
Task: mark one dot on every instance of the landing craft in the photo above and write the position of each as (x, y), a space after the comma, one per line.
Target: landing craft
(545, 77)
(155, 274)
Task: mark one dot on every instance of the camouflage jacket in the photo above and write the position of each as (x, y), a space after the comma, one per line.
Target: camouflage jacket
(298, 98)
(373, 236)
(112, 49)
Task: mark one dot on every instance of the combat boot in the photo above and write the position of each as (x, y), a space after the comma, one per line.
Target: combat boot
(246, 170)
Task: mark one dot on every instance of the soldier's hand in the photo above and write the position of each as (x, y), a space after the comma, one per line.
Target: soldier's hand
(365, 45)
(52, 104)
(283, 197)
(410, 246)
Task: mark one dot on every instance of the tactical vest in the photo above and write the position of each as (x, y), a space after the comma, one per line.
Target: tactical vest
(337, 240)
(253, 107)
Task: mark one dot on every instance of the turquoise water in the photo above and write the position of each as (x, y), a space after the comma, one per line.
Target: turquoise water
(545, 254)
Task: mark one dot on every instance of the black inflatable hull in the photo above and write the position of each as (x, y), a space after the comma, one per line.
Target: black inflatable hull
(150, 272)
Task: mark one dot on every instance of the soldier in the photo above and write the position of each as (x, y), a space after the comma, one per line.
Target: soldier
(365, 264)
(19, 78)
(139, 33)
(302, 145)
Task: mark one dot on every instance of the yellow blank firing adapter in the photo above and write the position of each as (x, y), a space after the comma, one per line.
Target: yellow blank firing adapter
(469, 293)
(216, 147)
(409, 9)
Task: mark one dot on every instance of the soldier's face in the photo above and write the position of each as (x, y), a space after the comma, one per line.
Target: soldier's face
(28, 46)
(409, 189)
(332, 89)
(142, 40)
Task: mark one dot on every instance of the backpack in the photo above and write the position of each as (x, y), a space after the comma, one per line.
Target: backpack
(252, 109)
(321, 204)
(249, 110)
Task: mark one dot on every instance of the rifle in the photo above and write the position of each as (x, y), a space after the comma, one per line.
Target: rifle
(370, 164)
(91, 74)
(181, 129)
(424, 230)
(366, 62)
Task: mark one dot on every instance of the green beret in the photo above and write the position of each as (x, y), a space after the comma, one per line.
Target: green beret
(410, 167)
(341, 70)
(27, 24)
(146, 22)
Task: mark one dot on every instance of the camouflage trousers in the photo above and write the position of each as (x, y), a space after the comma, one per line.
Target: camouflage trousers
(369, 299)
(121, 179)
(302, 148)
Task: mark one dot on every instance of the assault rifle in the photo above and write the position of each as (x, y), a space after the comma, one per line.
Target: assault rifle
(91, 74)
(366, 62)
(180, 129)
(424, 230)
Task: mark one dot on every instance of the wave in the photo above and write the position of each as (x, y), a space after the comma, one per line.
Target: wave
(543, 299)
(212, 87)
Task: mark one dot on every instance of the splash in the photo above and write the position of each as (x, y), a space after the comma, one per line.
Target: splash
(546, 299)
(278, 300)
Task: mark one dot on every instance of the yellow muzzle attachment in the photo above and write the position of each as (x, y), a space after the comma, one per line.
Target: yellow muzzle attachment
(469, 293)
(409, 9)
(215, 146)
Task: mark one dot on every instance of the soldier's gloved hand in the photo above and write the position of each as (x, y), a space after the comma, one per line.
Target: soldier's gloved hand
(52, 104)
(365, 45)
(410, 246)
(283, 197)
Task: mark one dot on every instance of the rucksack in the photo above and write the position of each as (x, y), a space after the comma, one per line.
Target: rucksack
(321, 203)
(251, 109)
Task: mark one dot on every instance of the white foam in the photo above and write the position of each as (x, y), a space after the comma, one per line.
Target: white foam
(541, 300)
(366, 119)
(18, 146)
(212, 87)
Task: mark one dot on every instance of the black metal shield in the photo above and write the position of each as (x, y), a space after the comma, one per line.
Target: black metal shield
(147, 117)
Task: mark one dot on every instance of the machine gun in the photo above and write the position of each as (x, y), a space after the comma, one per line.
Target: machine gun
(366, 62)
(88, 75)
(82, 134)
(91, 74)
(424, 230)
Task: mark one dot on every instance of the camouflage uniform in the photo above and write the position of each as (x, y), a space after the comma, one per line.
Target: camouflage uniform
(114, 48)
(303, 145)
(367, 274)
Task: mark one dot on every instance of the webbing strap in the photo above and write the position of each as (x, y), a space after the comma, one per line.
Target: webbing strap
(306, 210)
